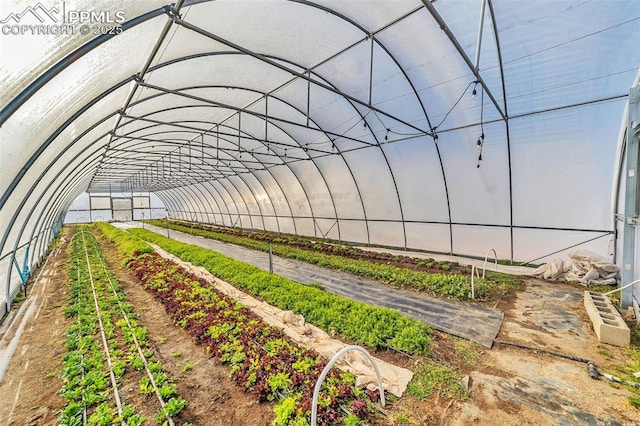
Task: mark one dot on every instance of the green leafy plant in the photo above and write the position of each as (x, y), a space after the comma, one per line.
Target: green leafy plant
(441, 284)
(145, 385)
(102, 416)
(352, 420)
(373, 326)
(187, 367)
(285, 410)
(279, 383)
(401, 419)
(167, 391)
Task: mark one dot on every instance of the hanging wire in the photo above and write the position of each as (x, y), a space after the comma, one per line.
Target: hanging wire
(456, 104)
(432, 131)
(390, 131)
(480, 143)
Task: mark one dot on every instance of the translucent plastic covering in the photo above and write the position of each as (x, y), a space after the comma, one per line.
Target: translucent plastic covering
(413, 124)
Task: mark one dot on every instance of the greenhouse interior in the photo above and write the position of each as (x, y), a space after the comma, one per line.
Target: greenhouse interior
(301, 212)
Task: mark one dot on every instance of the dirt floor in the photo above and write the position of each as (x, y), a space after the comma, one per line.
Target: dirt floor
(529, 387)
(508, 385)
(28, 390)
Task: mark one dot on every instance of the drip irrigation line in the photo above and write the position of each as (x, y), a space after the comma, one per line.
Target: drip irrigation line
(137, 343)
(84, 401)
(114, 384)
(591, 366)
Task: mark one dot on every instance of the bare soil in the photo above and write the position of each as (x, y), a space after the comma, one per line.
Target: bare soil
(508, 385)
(28, 391)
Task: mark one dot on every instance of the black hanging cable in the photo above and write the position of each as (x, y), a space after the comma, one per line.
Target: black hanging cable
(454, 105)
(388, 130)
(432, 131)
(480, 143)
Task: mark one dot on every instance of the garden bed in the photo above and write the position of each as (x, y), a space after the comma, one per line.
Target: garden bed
(372, 326)
(108, 355)
(442, 278)
(262, 360)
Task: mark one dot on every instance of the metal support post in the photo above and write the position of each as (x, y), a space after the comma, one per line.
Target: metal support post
(476, 63)
(631, 198)
(270, 258)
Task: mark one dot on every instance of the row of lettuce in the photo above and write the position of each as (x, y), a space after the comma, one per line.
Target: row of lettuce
(96, 369)
(262, 360)
(355, 321)
(456, 286)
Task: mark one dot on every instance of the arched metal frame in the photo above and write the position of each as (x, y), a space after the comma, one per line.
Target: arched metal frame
(266, 168)
(193, 198)
(269, 121)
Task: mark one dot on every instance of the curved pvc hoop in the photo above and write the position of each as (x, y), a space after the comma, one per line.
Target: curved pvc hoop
(323, 375)
(82, 231)
(484, 267)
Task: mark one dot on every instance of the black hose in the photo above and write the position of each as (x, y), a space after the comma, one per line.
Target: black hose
(591, 366)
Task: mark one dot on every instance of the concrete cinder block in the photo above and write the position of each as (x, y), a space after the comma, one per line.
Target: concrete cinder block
(607, 323)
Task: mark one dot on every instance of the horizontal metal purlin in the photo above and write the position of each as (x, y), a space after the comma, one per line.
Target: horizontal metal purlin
(536, 112)
(265, 165)
(238, 169)
(255, 113)
(181, 166)
(263, 95)
(197, 146)
(148, 178)
(116, 160)
(122, 171)
(251, 152)
(210, 133)
(426, 222)
(149, 172)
